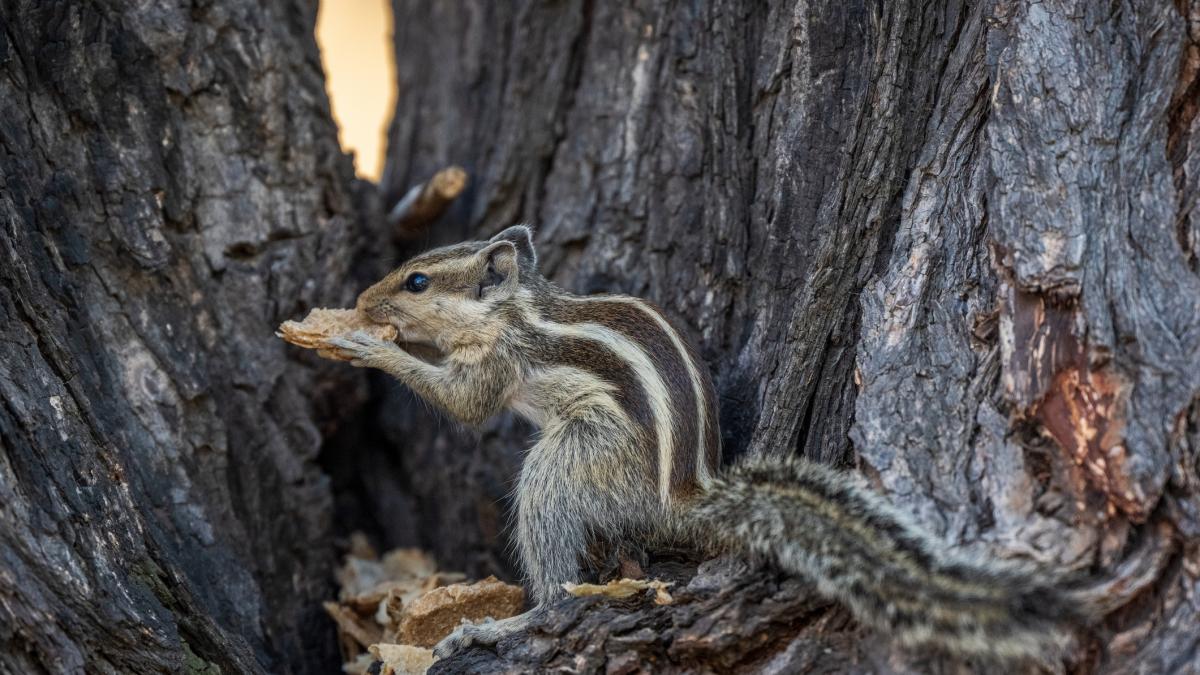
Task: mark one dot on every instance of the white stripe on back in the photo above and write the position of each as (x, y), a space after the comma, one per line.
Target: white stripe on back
(702, 474)
(656, 390)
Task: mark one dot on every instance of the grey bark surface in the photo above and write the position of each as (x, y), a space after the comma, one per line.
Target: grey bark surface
(171, 187)
(951, 245)
(954, 246)
(727, 617)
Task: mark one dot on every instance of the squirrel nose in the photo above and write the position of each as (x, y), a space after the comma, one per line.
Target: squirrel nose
(363, 303)
(369, 308)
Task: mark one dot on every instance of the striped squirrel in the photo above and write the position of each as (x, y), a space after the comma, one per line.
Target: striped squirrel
(629, 447)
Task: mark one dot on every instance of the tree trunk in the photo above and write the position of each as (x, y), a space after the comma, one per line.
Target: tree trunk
(954, 245)
(171, 187)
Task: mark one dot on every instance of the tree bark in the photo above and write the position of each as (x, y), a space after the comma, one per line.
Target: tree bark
(950, 244)
(954, 246)
(171, 187)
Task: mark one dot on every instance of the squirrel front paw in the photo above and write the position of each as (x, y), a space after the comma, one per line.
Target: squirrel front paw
(362, 349)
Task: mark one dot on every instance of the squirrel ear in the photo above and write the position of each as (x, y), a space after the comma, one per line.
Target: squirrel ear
(501, 270)
(521, 237)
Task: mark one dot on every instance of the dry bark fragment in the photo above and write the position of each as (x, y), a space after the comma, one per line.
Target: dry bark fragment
(401, 659)
(435, 614)
(623, 588)
(321, 324)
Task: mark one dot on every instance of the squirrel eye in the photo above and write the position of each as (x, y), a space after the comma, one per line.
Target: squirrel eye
(416, 282)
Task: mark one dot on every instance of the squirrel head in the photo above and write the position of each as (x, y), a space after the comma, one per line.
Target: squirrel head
(446, 293)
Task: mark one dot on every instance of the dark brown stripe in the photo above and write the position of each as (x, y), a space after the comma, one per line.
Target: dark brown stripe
(593, 357)
(632, 322)
(712, 431)
(445, 254)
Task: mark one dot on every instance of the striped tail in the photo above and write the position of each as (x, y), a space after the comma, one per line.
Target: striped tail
(827, 527)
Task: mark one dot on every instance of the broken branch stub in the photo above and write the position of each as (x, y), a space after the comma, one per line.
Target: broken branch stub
(424, 203)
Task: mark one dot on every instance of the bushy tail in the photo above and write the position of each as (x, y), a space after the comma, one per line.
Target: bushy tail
(829, 528)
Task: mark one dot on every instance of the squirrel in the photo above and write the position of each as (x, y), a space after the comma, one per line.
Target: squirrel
(629, 446)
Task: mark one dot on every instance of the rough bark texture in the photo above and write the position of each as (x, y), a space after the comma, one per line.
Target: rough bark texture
(171, 187)
(728, 617)
(953, 244)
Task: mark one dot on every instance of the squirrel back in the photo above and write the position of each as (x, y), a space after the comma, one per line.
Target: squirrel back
(658, 379)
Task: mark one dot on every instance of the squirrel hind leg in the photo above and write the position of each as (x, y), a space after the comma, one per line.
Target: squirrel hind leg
(485, 633)
(572, 493)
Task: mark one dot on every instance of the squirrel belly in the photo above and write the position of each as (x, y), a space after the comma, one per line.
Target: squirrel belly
(629, 447)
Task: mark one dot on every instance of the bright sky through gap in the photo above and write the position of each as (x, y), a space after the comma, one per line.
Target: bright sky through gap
(355, 37)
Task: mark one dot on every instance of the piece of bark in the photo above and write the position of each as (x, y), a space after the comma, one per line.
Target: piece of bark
(356, 632)
(433, 615)
(374, 592)
(623, 588)
(321, 324)
(401, 659)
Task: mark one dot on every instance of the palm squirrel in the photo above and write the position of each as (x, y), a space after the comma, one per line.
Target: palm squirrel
(629, 447)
